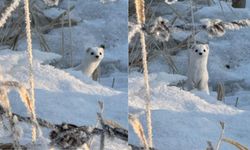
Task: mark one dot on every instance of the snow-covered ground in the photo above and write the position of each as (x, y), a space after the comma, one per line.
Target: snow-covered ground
(188, 119)
(185, 120)
(61, 97)
(66, 95)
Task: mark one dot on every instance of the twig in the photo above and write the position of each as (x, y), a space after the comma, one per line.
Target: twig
(221, 136)
(237, 101)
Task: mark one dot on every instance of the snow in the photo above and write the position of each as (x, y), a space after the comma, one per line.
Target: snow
(188, 119)
(66, 95)
(61, 97)
(185, 120)
(98, 24)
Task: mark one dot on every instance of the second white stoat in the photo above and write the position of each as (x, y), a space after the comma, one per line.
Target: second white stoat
(197, 68)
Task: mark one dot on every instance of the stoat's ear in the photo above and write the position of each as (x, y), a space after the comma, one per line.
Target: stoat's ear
(88, 50)
(102, 46)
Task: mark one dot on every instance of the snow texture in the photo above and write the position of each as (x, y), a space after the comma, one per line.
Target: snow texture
(61, 97)
(185, 120)
(188, 119)
(66, 95)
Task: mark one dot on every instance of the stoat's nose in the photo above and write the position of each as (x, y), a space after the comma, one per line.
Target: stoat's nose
(200, 53)
(97, 56)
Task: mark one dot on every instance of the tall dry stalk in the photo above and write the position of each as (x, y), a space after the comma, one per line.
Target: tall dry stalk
(192, 15)
(29, 97)
(62, 27)
(70, 36)
(8, 11)
(3, 19)
(31, 71)
(140, 14)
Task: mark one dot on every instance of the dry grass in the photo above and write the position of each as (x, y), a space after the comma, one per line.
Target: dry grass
(31, 100)
(236, 144)
(7, 13)
(221, 136)
(5, 103)
(140, 14)
(25, 98)
(138, 129)
(223, 139)
(28, 97)
(220, 91)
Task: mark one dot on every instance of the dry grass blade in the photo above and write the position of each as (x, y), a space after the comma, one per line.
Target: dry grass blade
(192, 15)
(43, 42)
(5, 103)
(236, 102)
(220, 92)
(100, 119)
(137, 127)
(25, 97)
(101, 106)
(30, 58)
(70, 36)
(8, 11)
(147, 87)
(140, 11)
(102, 139)
(140, 14)
(221, 136)
(170, 62)
(236, 144)
(62, 28)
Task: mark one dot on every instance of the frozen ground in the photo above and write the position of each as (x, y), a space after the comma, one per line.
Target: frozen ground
(67, 95)
(187, 120)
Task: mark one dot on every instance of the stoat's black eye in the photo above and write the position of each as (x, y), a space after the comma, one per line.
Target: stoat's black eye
(196, 50)
(92, 53)
(204, 50)
(100, 53)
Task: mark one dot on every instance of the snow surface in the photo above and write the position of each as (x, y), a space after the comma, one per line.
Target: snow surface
(67, 95)
(61, 97)
(98, 23)
(188, 119)
(184, 120)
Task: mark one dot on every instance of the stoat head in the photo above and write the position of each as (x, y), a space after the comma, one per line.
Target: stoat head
(200, 50)
(95, 53)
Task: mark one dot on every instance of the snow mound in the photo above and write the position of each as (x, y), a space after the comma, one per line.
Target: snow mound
(61, 97)
(178, 115)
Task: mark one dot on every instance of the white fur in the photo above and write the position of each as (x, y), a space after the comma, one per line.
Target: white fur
(90, 61)
(197, 68)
